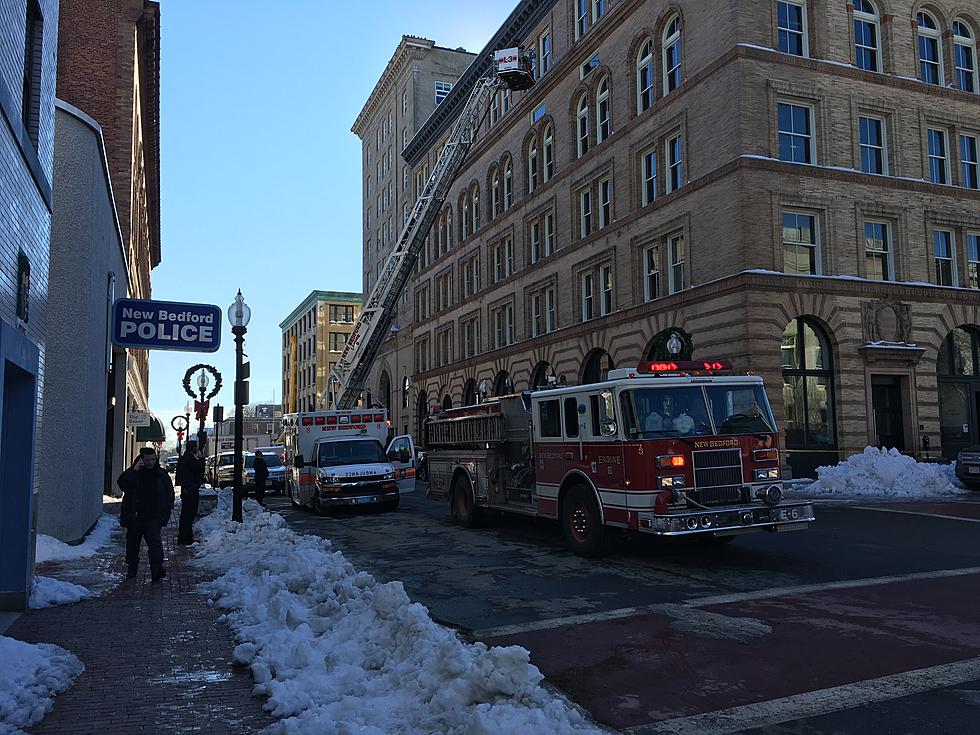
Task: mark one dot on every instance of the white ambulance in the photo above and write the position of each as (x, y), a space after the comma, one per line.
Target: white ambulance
(339, 459)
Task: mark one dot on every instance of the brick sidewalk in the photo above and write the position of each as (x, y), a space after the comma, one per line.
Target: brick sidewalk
(157, 659)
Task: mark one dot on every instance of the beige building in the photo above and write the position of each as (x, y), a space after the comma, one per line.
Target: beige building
(793, 185)
(313, 336)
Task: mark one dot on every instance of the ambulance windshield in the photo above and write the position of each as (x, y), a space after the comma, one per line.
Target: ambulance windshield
(355, 451)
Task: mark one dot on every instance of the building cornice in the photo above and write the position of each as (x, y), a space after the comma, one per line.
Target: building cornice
(409, 49)
(316, 296)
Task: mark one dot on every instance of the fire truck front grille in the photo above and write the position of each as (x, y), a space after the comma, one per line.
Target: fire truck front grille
(718, 476)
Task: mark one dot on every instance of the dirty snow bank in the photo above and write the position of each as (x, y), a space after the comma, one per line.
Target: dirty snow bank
(51, 549)
(30, 677)
(884, 473)
(48, 592)
(334, 650)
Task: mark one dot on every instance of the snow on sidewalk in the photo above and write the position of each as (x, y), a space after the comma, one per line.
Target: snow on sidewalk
(30, 677)
(49, 592)
(51, 549)
(334, 650)
(883, 473)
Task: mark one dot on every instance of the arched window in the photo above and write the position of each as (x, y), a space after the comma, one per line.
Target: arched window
(440, 235)
(808, 397)
(958, 374)
(603, 118)
(532, 166)
(508, 184)
(503, 386)
(384, 391)
(930, 54)
(596, 366)
(475, 207)
(672, 55)
(867, 36)
(644, 77)
(965, 56)
(469, 393)
(494, 192)
(449, 228)
(582, 126)
(464, 216)
(447, 402)
(543, 376)
(548, 169)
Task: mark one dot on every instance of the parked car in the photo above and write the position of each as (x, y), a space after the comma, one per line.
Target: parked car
(170, 463)
(222, 473)
(278, 450)
(968, 467)
(277, 472)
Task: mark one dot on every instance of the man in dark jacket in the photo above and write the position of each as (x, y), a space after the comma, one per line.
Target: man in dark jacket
(261, 477)
(190, 477)
(148, 501)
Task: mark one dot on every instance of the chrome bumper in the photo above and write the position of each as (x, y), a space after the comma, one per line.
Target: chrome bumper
(729, 521)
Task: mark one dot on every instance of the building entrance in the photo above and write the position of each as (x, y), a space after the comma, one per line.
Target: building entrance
(887, 411)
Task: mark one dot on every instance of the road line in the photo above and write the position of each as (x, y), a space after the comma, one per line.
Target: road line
(917, 513)
(698, 602)
(816, 703)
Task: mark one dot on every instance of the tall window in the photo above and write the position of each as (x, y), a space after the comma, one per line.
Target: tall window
(808, 388)
(605, 203)
(878, 251)
(543, 312)
(606, 280)
(31, 94)
(649, 174)
(534, 237)
(551, 310)
(503, 320)
(471, 276)
(603, 121)
(675, 166)
(588, 296)
(549, 234)
(598, 9)
(873, 157)
(449, 229)
(585, 212)
(944, 254)
(644, 77)
(494, 192)
(548, 151)
(677, 274)
(973, 260)
(651, 272)
(532, 165)
(965, 56)
(938, 159)
(968, 161)
(801, 249)
(867, 51)
(471, 338)
(581, 17)
(475, 207)
(791, 23)
(582, 126)
(544, 53)
(508, 184)
(672, 55)
(442, 91)
(795, 133)
(494, 109)
(930, 53)
(464, 216)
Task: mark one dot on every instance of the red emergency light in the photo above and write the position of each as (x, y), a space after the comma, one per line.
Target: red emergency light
(331, 420)
(355, 418)
(307, 421)
(683, 366)
(379, 417)
(319, 420)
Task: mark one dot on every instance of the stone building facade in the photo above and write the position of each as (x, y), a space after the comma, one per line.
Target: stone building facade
(313, 336)
(417, 78)
(109, 68)
(790, 184)
(28, 44)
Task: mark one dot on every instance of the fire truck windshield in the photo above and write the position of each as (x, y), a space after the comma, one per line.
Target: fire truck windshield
(677, 411)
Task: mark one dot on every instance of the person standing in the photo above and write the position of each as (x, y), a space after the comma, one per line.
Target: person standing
(261, 477)
(190, 477)
(148, 501)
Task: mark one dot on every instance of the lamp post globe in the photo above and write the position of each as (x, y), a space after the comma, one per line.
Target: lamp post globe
(203, 380)
(238, 313)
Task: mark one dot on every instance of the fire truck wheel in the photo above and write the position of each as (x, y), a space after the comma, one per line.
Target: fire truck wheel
(461, 503)
(581, 523)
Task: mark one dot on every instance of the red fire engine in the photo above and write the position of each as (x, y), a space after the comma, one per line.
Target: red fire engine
(669, 448)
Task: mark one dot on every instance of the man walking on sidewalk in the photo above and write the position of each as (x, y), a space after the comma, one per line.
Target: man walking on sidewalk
(190, 477)
(148, 501)
(261, 477)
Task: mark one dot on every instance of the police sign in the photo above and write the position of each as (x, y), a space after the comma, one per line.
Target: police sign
(166, 325)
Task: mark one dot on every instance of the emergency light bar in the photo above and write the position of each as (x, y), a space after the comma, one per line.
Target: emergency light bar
(679, 366)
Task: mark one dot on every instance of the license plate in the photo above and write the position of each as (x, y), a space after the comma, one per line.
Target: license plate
(362, 501)
(974, 470)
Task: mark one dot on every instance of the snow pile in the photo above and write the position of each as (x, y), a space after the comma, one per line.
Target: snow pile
(885, 473)
(48, 592)
(30, 677)
(334, 650)
(51, 549)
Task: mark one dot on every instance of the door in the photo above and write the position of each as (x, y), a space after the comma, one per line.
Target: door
(401, 455)
(886, 405)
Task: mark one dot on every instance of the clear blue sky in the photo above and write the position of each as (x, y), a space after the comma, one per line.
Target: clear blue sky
(260, 174)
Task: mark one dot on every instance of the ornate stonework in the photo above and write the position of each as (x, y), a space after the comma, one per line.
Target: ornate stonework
(886, 321)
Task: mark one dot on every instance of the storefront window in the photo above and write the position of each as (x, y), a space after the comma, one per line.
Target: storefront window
(959, 389)
(808, 393)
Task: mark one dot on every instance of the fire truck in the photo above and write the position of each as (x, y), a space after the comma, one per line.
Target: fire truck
(673, 449)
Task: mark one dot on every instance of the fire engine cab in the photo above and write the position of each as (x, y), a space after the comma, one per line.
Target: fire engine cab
(669, 448)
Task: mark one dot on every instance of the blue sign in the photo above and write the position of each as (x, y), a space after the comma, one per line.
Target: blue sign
(166, 325)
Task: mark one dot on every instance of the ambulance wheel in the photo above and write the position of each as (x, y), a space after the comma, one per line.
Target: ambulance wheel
(581, 523)
(461, 503)
(315, 503)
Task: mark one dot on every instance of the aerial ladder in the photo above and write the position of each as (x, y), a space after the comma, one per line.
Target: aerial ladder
(512, 69)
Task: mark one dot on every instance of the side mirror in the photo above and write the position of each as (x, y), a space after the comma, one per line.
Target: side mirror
(607, 413)
(298, 462)
(608, 428)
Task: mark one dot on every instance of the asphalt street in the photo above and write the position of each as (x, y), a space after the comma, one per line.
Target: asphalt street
(866, 623)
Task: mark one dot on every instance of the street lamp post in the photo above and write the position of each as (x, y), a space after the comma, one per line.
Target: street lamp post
(239, 315)
(187, 419)
(202, 384)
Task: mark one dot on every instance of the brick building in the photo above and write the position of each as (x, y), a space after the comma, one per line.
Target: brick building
(793, 184)
(109, 68)
(417, 78)
(28, 43)
(313, 336)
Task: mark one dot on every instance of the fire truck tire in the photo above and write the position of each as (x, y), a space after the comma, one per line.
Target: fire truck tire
(461, 505)
(581, 523)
